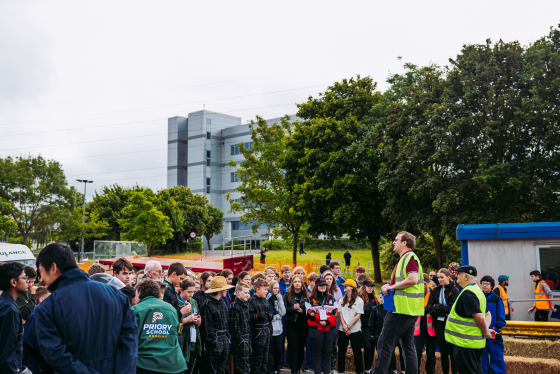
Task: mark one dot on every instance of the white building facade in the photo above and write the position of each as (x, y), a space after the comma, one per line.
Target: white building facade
(199, 149)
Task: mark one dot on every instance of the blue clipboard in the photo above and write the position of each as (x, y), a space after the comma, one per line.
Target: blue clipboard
(389, 301)
(557, 313)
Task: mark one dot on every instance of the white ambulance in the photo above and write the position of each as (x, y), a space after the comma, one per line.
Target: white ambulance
(16, 253)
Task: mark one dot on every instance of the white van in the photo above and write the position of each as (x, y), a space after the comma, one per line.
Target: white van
(16, 253)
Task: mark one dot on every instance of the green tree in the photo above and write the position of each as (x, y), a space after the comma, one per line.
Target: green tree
(70, 227)
(7, 225)
(268, 193)
(143, 222)
(36, 189)
(193, 207)
(169, 207)
(334, 169)
(214, 224)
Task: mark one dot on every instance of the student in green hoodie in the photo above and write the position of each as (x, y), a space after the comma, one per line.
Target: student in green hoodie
(158, 347)
(192, 346)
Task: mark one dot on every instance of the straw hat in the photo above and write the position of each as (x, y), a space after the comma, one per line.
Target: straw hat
(218, 283)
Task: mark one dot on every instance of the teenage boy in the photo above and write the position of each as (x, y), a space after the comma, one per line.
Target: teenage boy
(240, 330)
(192, 347)
(175, 275)
(26, 302)
(284, 283)
(260, 317)
(13, 283)
(359, 270)
(122, 269)
(335, 268)
(542, 294)
(269, 274)
(32, 358)
(215, 327)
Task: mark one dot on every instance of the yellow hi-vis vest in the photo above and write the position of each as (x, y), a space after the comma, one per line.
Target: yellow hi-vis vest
(464, 332)
(409, 301)
(505, 297)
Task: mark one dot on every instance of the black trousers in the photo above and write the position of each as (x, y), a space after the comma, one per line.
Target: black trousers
(356, 339)
(368, 349)
(260, 344)
(468, 360)
(216, 356)
(274, 353)
(322, 342)
(446, 350)
(424, 339)
(397, 327)
(296, 334)
(541, 315)
(241, 350)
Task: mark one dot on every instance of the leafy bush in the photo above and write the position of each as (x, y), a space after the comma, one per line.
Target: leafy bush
(317, 244)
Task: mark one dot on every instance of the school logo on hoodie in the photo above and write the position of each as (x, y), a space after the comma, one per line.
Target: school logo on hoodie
(156, 330)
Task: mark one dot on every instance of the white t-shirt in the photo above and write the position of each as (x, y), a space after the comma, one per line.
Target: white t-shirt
(349, 313)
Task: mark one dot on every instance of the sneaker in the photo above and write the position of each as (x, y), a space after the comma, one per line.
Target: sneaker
(334, 372)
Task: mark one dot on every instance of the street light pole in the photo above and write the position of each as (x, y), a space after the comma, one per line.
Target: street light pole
(85, 182)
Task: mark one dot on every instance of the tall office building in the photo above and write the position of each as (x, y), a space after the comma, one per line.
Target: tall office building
(199, 148)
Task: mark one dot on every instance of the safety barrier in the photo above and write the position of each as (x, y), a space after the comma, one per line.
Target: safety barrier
(532, 329)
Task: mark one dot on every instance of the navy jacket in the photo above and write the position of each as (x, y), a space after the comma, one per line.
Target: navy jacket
(495, 306)
(32, 358)
(86, 327)
(11, 334)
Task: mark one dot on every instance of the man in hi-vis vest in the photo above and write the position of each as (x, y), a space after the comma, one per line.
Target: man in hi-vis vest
(467, 326)
(407, 284)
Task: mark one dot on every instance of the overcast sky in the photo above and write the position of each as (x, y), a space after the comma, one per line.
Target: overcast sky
(92, 83)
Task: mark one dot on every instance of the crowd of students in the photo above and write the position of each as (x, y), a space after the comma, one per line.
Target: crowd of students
(218, 323)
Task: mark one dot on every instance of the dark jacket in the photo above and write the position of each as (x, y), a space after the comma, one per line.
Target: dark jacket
(291, 314)
(214, 318)
(171, 297)
(32, 358)
(260, 315)
(238, 322)
(86, 327)
(495, 306)
(368, 308)
(376, 319)
(11, 334)
(435, 308)
(26, 304)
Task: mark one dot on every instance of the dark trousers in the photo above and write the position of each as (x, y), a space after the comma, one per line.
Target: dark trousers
(322, 342)
(308, 354)
(430, 342)
(192, 363)
(468, 360)
(541, 315)
(508, 317)
(397, 327)
(241, 350)
(296, 334)
(216, 356)
(334, 356)
(368, 349)
(393, 363)
(260, 344)
(446, 349)
(356, 340)
(275, 352)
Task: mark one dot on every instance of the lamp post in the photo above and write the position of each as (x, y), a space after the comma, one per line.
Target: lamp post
(85, 182)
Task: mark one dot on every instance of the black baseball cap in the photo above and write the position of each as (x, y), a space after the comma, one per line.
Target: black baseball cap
(468, 269)
(368, 283)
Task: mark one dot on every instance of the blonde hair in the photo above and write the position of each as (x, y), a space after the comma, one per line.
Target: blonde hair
(284, 268)
(299, 269)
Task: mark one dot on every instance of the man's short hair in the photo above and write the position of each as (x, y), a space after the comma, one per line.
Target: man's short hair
(95, 269)
(186, 283)
(360, 269)
(177, 268)
(333, 264)
(285, 268)
(362, 278)
(409, 239)
(121, 264)
(60, 254)
(148, 287)
(488, 279)
(258, 283)
(41, 292)
(323, 268)
(9, 271)
(269, 269)
(130, 292)
(30, 272)
(312, 276)
(535, 272)
(300, 269)
(150, 265)
(256, 277)
(240, 286)
(243, 274)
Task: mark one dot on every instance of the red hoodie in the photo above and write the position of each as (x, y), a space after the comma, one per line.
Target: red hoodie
(314, 306)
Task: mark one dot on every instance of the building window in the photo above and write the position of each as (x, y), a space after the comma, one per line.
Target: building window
(207, 189)
(234, 149)
(207, 185)
(248, 145)
(208, 135)
(234, 177)
(235, 225)
(208, 153)
(208, 121)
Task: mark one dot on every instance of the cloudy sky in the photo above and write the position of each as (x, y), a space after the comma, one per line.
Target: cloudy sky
(92, 83)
